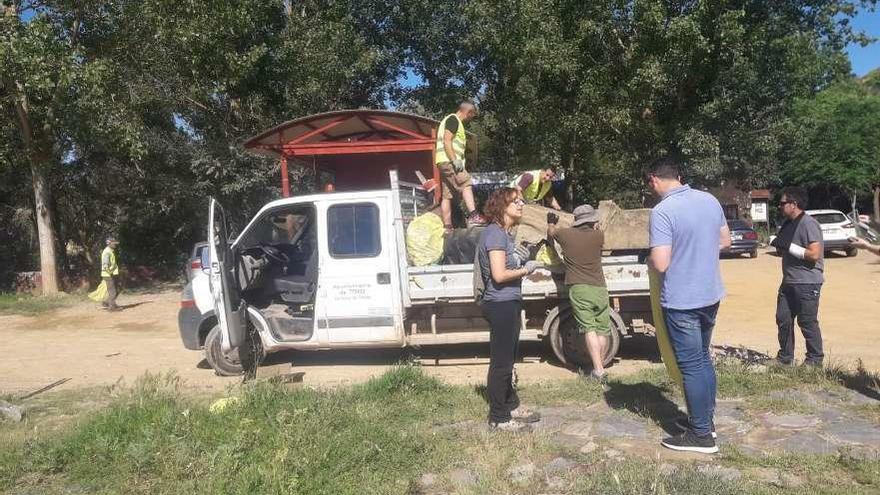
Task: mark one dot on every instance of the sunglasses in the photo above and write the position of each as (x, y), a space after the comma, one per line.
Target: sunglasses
(783, 203)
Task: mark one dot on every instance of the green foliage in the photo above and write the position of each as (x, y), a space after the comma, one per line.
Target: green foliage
(141, 106)
(601, 88)
(138, 108)
(835, 139)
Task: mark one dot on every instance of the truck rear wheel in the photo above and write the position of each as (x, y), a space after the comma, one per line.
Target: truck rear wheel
(569, 344)
(224, 364)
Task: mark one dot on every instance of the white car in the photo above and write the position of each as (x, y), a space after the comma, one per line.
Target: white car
(837, 228)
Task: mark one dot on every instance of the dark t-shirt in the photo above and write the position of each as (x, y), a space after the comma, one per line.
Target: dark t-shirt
(525, 180)
(798, 271)
(452, 125)
(582, 252)
(495, 238)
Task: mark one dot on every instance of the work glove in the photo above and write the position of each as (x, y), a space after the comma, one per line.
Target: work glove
(552, 218)
(458, 164)
(531, 266)
(521, 254)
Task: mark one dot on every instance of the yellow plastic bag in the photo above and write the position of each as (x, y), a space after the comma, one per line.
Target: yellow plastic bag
(100, 293)
(221, 404)
(547, 256)
(424, 240)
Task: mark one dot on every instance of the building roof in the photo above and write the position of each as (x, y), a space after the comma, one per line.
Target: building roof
(760, 194)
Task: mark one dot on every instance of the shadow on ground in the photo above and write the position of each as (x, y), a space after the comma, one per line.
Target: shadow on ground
(637, 348)
(645, 400)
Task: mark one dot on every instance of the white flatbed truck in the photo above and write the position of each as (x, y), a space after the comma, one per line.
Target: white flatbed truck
(330, 271)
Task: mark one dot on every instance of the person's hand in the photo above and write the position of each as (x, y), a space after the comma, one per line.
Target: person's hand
(522, 254)
(458, 164)
(552, 218)
(859, 243)
(778, 243)
(531, 266)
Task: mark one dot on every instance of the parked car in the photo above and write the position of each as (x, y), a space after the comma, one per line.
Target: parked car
(865, 229)
(743, 238)
(837, 228)
(198, 259)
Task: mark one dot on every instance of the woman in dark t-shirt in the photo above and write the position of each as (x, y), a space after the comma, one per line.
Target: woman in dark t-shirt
(502, 271)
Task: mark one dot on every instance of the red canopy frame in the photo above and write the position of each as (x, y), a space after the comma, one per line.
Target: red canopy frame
(357, 146)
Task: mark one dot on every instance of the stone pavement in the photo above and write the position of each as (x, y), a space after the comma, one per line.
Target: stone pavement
(821, 422)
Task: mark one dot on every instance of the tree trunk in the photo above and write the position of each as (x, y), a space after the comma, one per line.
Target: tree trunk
(38, 158)
(45, 228)
(877, 203)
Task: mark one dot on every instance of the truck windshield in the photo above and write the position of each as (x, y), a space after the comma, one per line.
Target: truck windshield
(284, 226)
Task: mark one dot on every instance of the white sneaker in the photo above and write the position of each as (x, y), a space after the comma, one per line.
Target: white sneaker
(513, 426)
(525, 415)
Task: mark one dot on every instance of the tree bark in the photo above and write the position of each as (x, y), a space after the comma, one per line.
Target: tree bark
(877, 203)
(45, 228)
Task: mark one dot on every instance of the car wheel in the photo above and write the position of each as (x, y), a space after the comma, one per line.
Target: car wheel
(224, 364)
(753, 253)
(851, 252)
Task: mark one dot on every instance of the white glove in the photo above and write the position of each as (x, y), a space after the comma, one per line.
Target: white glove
(458, 164)
(531, 266)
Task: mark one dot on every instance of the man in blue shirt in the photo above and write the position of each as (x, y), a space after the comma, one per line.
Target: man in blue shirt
(688, 229)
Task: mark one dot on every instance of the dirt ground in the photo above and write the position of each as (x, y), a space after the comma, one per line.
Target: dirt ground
(92, 347)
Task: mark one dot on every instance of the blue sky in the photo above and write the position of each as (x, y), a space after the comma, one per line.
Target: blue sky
(868, 58)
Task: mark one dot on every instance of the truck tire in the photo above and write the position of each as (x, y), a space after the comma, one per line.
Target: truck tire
(851, 252)
(753, 253)
(570, 347)
(224, 364)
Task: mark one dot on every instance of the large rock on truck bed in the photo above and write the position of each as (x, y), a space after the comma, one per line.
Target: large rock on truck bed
(624, 229)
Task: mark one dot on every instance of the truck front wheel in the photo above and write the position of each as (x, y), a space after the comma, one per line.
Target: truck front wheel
(569, 345)
(224, 363)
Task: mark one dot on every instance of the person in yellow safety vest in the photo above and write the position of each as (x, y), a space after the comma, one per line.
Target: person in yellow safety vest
(537, 186)
(110, 274)
(450, 161)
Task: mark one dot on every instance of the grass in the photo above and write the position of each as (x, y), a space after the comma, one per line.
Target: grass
(840, 473)
(378, 437)
(367, 439)
(18, 304)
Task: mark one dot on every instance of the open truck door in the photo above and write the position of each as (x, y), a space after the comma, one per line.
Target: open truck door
(230, 309)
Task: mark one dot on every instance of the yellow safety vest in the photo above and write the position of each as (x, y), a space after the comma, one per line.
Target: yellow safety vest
(458, 141)
(537, 189)
(112, 267)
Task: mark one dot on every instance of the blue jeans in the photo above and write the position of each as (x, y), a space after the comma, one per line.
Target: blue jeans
(690, 332)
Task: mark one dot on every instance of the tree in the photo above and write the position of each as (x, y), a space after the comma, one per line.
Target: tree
(835, 139)
(601, 88)
(34, 64)
(136, 110)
